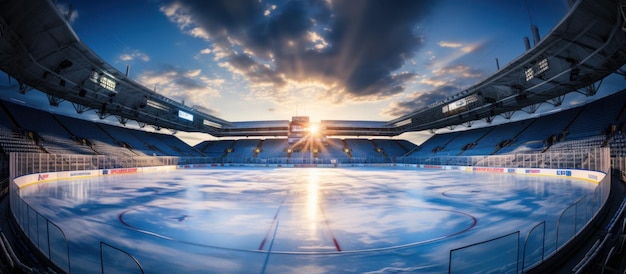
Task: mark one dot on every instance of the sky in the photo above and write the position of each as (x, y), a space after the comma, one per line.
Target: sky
(246, 60)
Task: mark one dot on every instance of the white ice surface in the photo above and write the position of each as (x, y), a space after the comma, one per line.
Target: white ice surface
(332, 220)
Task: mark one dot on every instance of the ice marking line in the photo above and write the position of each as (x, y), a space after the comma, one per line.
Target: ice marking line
(269, 229)
(450, 193)
(408, 245)
(337, 246)
(332, 235)
(120, 217)
(269, 250)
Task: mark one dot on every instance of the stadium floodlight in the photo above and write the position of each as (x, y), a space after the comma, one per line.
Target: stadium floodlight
(103, 80)
(185, 115)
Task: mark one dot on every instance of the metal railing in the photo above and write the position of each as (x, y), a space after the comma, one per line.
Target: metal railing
(53, 243)
(29, 163)
(43, 233)
(503, 252)
(588, 159)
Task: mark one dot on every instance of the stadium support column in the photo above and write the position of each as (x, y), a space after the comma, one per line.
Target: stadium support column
(526, 43)
(535, 32)
(590, 90)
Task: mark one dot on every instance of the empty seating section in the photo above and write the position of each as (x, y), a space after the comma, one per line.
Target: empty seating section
(24, 129)
(36, 120)
(243, 148)
(536, 135)
(329, 148)
(361, 148)
(560, 129)
(580, 144)
(59, 145)
(465, 140)
(214, 148)
(202, 145)
(434, 144)
(160, 144)
(332, 149)
(152, 141)
(46, 130)
(618, 145)
(126, 137)
(15, 141)
(172, 146)
(274, 148)
(391, 147)
(305, 155)
(497, 138)
(596, 117)
(406, 145)
(100, 141)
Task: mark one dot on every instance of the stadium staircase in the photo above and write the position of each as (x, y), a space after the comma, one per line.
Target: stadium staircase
(346, 148)
(512, 140)
(380, 149)
(230, 149)
(403, 145)
(258, 149)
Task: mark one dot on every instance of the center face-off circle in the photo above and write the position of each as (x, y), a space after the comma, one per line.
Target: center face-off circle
(311, 211)
(349, 228)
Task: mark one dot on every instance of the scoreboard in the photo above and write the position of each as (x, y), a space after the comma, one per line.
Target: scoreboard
(298, 128)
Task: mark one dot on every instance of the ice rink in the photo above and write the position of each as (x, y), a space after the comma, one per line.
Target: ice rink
(296, 220)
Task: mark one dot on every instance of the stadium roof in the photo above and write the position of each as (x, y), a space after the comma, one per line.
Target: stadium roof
(586, 46)
(39, 48)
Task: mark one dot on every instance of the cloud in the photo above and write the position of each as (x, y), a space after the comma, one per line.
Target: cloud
(205, 51)
(176, 13)
(463, 47)
(199, 32)
(190, 86)
(433, 82)
(445, 44)
(192, 73)
(459, 51)
(445, 82)
(318, 40)
(355, 48)
(221, 53)
(471, 47)
(255, 72)
(462, 71)
(419, 100)
(268, 11)
(135, 55)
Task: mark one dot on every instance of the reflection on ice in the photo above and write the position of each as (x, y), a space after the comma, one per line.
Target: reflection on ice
(311, 202)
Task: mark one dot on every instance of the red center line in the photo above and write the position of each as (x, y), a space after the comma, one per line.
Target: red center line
(330, 231)
(269, 230)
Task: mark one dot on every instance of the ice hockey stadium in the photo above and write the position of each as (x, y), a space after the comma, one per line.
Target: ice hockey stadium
(545, 194)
